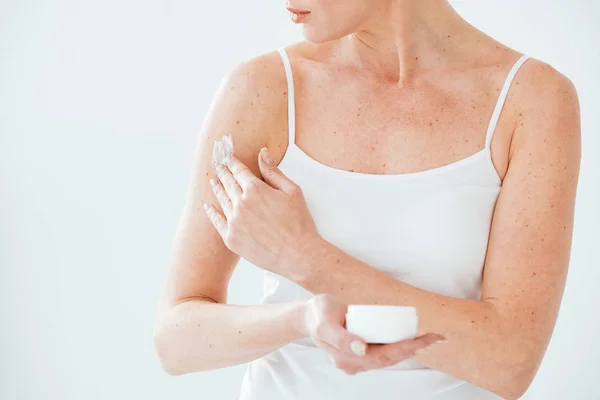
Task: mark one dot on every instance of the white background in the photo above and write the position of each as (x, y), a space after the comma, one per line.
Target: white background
(100, 106)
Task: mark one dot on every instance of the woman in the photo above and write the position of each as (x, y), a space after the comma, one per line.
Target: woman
(390, 176)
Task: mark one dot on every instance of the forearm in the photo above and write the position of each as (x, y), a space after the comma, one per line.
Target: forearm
(480, 348)
(199, 335)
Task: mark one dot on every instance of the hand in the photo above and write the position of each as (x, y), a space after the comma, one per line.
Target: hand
(267, 223)
(325, 321)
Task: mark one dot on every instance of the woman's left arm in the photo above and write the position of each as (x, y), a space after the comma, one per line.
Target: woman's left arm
(497, 342)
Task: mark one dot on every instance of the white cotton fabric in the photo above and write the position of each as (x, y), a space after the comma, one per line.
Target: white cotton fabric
(429, 229)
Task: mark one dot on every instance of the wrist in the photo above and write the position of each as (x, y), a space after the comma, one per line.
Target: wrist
(298, 261)
(299, 318)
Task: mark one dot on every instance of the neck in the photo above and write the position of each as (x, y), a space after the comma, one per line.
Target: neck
(403, 38)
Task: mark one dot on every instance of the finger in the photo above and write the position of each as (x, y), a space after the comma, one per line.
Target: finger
(338, 337)
(241, 172)
(421, 342)
(342, 360)
(232, 188)
(404, 349)
(221, 195)
(333, 352)
(272, 174)
(217, 219)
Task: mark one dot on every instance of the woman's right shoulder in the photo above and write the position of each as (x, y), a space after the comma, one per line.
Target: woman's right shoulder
(260, 73)
(251, 105)
(252, 100)
(257, 74)
(264, 72)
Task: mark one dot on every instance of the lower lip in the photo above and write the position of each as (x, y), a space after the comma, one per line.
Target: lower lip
(298, 18)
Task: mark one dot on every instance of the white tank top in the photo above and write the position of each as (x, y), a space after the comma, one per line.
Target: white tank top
(429, 229)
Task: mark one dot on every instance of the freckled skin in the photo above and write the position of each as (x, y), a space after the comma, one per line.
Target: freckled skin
(400, 137)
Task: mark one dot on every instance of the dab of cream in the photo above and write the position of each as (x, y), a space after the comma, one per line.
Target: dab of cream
(222, 150)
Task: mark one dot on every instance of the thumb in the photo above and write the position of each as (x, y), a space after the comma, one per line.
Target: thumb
(349, 342)
(271, 174)
(335, 335)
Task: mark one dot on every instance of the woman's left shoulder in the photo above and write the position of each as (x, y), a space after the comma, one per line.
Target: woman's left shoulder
(538, 76)
(547, 114)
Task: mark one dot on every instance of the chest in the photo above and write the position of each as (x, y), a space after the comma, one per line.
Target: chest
(356, 124)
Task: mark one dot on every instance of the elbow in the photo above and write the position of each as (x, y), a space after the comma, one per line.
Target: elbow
(514, 392)
(163, 347)
(517, 378)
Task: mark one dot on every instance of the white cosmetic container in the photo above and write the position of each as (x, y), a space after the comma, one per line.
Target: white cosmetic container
(382, 323)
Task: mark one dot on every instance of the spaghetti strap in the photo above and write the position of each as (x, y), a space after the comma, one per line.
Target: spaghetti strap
(290, 84)
(502, 98)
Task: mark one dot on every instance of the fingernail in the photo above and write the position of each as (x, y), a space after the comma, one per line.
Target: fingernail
(358, 348)
(265, 156)
(206, 206)
(213, 183)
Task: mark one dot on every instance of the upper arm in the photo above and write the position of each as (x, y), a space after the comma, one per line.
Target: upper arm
(530, 238)
(249, 105)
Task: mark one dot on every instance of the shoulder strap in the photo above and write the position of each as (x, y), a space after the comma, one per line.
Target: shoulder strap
(290, 83)
(502, 98)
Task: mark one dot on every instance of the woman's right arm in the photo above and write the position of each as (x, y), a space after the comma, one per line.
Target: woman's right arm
(195, 330)
(199, 335)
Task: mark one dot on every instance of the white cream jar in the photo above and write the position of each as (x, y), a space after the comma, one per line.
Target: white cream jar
(382, 323)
